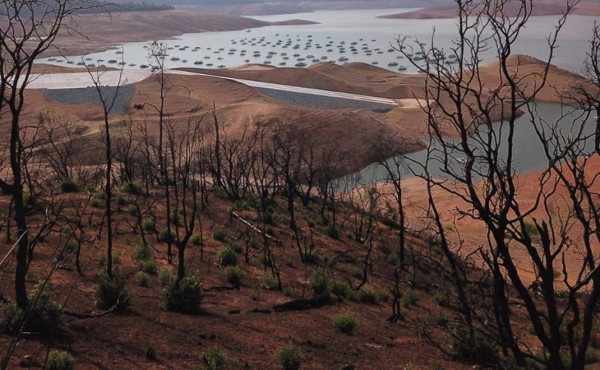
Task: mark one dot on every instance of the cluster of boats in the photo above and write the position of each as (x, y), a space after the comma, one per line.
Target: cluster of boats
(283, 50)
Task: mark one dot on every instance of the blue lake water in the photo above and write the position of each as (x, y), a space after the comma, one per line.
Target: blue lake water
(340, 36)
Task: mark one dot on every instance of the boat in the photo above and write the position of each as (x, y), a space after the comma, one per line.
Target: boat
(392, 64)
(300, 64)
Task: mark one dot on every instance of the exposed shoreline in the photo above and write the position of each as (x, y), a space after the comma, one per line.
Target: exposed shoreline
(100, 32)
(542, 8)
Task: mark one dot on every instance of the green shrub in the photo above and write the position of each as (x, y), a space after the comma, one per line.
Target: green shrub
(111, 293)
(121, 201)
(100, 194)
(227, 257)
(310, 257)
(235, 246)
(219, 234)
(141, 278)
(383, 295)
(70, 246)
(142, 251)
(186, 298)
(265, 259)
(346, 323)
(149, 225)
(332, 232)
(531, 229)
(133, 210)
(269, 281)
(393, 259)
(60, 360)
(150, 353)
(214, 359)
(437, 365)
(410, 298)
(319, 281)
(133, 187)
(147, 266)
(356, 273)
(95, 202)
(476, 348)
(196, 239)
(234, 275)
(268, 218)
(44, 317)
(289, 358)
(164, 236)
(10, 317)
(340, 289)
(69, 186)
(166, 277)
(442, 298)
(366, 295)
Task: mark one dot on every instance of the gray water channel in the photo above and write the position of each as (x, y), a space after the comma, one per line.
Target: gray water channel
(528, 150)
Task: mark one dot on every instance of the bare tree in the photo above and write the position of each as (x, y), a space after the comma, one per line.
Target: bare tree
(479, 167)
(28, 29)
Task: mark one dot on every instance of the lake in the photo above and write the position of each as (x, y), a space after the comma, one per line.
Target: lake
(341, 36)
(528, 152)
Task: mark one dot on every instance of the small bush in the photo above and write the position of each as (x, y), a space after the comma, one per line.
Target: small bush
(150, 353)
(141, 278)
(166, 277)
(410, 298)
(132, 210)
(186, 298)
(477, 348)
(356, 273)
(235, 246)
(142, 251)
(214, 359)
(121, 201)
(70, 246)
(147, 266)
(442, 298)
(383, 295)
(319, 282)
(289, 358)
(165, 237)
(367, 295)
(100, 194)
(111, 293)
(269, 281)
(227, 257)
(346, 323)
(393, 259)
(44, 317)
(265, 259)
(196, 239)
(268, 218)
(340, 289)
(60, 360)
(332, 232)
(69, 186)
(149, 225)
(95, 202)
(133, 188)
(234, 275)
(219, 234)
(10, 317)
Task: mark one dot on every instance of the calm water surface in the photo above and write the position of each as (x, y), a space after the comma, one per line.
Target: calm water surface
(340, 36)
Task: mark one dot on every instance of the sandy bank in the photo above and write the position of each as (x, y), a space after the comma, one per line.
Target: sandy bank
(97, 32)
(540, 8)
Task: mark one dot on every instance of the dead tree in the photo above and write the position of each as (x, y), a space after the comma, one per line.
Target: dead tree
(480, 171)
(28, 29)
